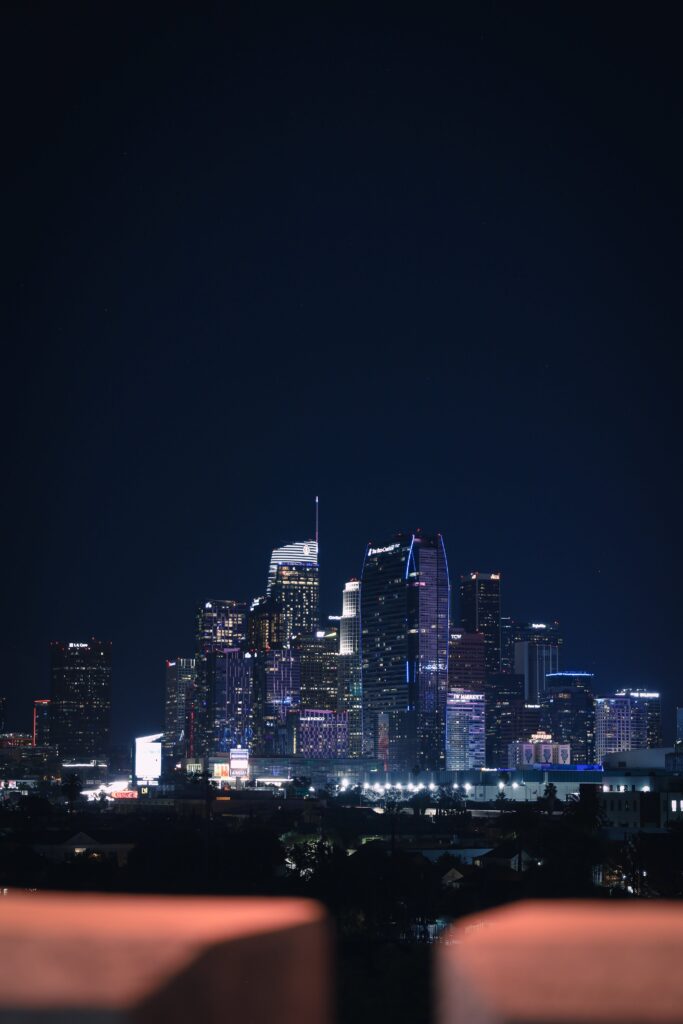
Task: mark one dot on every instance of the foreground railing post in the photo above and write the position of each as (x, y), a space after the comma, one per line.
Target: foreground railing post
(563, 962)
(147, 959)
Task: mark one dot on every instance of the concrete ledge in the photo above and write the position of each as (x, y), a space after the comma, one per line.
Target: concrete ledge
(86, 958)
(577, 961)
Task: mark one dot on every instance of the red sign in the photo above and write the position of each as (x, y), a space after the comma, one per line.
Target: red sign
(125, 794)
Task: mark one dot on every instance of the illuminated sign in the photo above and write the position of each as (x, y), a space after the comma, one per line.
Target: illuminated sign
(80, 646)
(239, 763)
(383, 551)
(148, 757)
(124, 794)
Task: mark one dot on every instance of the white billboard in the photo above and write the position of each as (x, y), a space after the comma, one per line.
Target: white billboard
(148, 757)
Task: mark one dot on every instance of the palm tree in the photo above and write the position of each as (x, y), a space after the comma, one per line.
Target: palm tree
(550, 796)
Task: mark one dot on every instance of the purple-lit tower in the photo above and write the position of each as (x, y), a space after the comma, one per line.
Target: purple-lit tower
(404, 650)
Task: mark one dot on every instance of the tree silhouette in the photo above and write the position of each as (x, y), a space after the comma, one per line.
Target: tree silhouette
(71, 789)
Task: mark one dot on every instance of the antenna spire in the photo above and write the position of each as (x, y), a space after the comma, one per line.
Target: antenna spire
(316, 519)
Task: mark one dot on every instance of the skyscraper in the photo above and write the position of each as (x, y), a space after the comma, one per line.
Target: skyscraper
(81, 699)
(466, 661)
(180, 678)
(568, 713)
(620, 724)
(652, 702)
(230, 672)
(404, 649)
(536, 653)
(220, 624)
(480, 612)
(350, 691)
(276, 692)
(319, 669)
(41, 722)
(465, 730)
(293, 592)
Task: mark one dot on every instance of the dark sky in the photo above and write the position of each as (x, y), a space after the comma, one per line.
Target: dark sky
(426, 264)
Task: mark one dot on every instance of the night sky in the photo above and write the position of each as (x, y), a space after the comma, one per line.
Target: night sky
(426, 265)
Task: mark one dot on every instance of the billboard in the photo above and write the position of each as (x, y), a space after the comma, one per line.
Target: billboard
(148, 757)
(239, 763)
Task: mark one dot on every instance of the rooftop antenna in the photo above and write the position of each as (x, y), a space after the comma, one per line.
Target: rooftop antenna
(316, 519)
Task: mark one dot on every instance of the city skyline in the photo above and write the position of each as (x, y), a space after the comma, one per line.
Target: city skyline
(437, 289)
(222, 623)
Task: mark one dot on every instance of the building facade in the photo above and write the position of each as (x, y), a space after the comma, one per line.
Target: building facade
(350, 688)
(536, 654)
(180, 678)
(465, 730)
(568, 713)
(620, 724)
(466, 661)
(293, 592)
(81, 699)
(404, 650)
(480, 612)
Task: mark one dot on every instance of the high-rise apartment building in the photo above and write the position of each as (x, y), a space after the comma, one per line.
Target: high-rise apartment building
(81, 699)
(620, 724)
(465, 730)
(350, 690)
(480, 612)
(652, 702)
(404, 649)
(466, 661)
(180, 679)
(568, 713)
(293, 592)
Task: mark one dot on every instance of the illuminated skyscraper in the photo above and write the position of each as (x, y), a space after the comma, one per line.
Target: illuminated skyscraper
(480, 612)
(465, 730)
(276, 691)
(41, 722)
(220, 624)
(652, 703)
(466, 661)
(180, 679)
(350, 690)
(81, 699)
(404, 649)
(229, 670)
(319, 669)
(293, 592)
(258, 625)
(536, 654)
(568, 713)
(320, 734)
(620, 724)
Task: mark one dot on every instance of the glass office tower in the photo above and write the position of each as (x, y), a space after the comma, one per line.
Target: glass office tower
(350, 691)
(180, 677)
(81, 699)
(404, 651)
(293, 592)
(480, 612)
